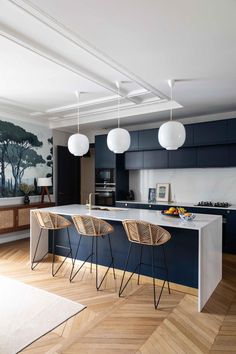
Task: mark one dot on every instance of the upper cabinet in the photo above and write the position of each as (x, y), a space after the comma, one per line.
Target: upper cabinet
(134, 160)
(182, 158)
(134, 141)
(210, 144)
(104, 158)
(231, 134)
(211, 133)
(155, 159)
(189, 135)
(213, 156)
(148, 139)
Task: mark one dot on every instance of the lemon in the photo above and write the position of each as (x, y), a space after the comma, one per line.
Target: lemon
(172, 209)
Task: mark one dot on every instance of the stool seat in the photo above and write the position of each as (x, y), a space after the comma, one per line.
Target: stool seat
(144, 234)
(89, 226)
(50, 221)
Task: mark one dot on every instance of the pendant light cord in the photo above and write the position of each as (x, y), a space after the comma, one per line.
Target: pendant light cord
(77, 93)
(118, 103)
(171, 97)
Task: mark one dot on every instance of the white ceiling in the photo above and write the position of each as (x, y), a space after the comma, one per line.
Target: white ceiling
(49, 49)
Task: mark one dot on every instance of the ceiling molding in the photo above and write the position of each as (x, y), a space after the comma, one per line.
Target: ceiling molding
(10, 113)
(16, 105)
(67, 33)
(110, 114)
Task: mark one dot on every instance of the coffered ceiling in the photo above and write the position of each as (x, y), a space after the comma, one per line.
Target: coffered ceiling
(50, 49)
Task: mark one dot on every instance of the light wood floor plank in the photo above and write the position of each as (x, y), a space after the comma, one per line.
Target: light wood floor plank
(128, 325)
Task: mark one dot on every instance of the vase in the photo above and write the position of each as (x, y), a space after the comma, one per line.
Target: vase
(26, 199)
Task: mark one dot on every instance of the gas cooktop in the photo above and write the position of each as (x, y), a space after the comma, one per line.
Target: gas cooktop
(216, 205)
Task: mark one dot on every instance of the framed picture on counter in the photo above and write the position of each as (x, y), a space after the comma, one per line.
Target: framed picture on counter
(162, 192)
(151, 195)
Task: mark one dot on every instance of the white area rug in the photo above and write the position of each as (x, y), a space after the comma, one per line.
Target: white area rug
(27, 313)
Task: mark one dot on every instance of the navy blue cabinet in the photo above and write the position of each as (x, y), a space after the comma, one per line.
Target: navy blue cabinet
(232, 154)
(155, 159)
(189, 135)
(104, 158)
(211, 144)
(182, 158)
(148, 139)
(231, 135)
(134, 141)
(210, 133)
(213, 156)
(230, 232)
(134, 160)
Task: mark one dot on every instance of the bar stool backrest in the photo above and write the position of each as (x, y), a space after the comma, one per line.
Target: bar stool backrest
(145, 233)
(91, 226)
(50, 221)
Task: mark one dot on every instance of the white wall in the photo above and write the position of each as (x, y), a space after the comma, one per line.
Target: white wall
(188, 185)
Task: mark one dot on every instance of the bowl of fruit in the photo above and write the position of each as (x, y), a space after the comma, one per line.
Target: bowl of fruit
(174, 212)
(187, 216)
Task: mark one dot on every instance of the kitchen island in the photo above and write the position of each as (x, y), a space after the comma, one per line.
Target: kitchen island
(194, 253)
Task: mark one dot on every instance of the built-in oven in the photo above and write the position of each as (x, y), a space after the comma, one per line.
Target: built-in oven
(105, 176)
(105, 195)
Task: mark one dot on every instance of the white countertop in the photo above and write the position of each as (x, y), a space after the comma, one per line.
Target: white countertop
(152, 216)
(179, 204)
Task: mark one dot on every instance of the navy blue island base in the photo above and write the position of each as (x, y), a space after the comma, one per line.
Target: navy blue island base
(181, 253)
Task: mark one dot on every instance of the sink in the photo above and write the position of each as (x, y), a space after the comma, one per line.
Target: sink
(107, 209)
(98, 208)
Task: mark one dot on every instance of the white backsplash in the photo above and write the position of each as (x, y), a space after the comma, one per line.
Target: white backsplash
(188, 185)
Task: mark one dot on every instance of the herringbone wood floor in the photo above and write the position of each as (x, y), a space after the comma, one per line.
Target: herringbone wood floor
(130, 324)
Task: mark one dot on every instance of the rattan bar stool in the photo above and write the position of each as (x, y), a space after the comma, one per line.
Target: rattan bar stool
(51, 221)
(145, 234)
(90, 226)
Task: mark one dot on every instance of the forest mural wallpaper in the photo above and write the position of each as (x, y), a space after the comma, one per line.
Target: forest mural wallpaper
(26, 153)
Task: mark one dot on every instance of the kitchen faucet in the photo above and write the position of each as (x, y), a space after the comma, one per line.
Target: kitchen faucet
(90, 200)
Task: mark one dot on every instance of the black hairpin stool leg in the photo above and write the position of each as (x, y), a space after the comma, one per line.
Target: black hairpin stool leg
(156, 301)
(33, 263)
(122, 288)
(92, 253)
(112, 258)
(140, 262)
(53, 252)
(166, 267)
(98, 286)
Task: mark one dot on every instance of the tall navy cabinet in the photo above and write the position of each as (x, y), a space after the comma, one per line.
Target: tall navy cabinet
(104, 158)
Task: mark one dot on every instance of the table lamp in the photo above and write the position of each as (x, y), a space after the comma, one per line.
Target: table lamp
(44, 183)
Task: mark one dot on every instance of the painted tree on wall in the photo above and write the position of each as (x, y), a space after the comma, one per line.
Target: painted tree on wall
(6, 129)
(50, 157)
(20, 160)
(16, 150)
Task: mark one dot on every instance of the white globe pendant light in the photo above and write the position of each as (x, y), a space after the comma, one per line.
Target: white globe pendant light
(118, 139)
(78, 144)
(171, 134)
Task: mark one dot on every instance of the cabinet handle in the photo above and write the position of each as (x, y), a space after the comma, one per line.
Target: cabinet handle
(150, 206)
(126, 204)
(228, 211)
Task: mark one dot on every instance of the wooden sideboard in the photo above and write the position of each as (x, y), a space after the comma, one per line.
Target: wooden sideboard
(17, 217)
